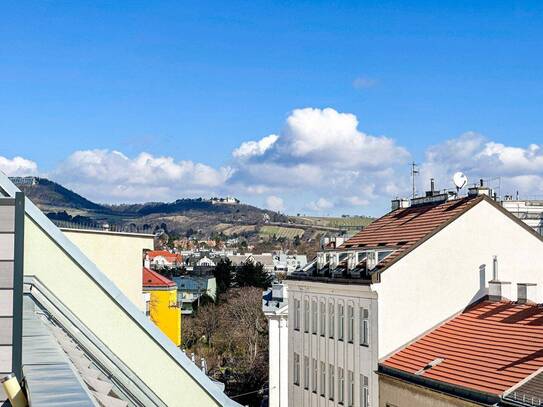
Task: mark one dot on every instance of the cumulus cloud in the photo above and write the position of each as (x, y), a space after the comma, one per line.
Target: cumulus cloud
(519, 168)
(105, 174)
(320, 205)
(275, 203)
(18, 166)
(250, 149)
(324, 152)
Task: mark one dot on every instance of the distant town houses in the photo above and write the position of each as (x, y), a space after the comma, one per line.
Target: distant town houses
(158, 259)
(191, 289)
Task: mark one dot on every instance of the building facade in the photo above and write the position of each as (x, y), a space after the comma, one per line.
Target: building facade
(275, 308)
(406, 272)
(163, 307)
(333, 344)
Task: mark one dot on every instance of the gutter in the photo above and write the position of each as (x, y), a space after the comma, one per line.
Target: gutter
(474, 396)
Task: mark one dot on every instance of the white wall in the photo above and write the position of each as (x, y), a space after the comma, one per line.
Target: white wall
(118, 255)
(349, 356)
(450, 270)
(278, 358)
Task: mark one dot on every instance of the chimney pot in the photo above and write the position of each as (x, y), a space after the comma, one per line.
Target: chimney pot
(499, 290)
(527, 293)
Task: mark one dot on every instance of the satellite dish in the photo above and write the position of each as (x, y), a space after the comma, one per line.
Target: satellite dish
(460, 180)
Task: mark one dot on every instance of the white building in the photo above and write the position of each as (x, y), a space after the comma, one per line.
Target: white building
(529, 211)
(266, 259)
(288, 263)
(275, 307)
(401, 276)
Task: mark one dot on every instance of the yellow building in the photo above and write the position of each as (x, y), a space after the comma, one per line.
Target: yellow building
(163, 308)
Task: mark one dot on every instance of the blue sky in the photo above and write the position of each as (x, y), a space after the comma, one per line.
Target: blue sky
(194, 80)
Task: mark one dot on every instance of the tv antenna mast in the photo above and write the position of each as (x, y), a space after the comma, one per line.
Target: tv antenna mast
(414, 172)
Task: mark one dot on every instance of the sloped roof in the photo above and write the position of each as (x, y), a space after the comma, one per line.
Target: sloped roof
(164, 253)
(153, 279)
(489, 348)
(404, 229)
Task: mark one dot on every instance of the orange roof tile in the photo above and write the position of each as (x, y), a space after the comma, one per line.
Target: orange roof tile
(153, 279)
(489, 347)
(164, 253)
(404, 229)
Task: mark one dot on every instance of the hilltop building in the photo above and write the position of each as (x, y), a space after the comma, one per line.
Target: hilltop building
(361, 300)
(163, 307)
(71, 336)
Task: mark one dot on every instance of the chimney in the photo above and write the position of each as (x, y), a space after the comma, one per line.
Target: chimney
(499, 290)
(527, 293)
(399, 203)
(432, 185)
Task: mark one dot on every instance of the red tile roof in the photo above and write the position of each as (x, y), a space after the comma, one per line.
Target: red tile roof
(166, 254)
(153, 279)
(489, 347)
(403, 229)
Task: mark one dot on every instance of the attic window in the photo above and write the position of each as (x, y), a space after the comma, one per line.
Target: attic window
(403, 242)
(381, 244)
(430, 365)
(348, 245)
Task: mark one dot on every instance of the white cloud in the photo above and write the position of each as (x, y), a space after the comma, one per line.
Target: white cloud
(18, 166)
(320, 205)
(321, 152)
(106, 175)
(363, 82)
(275, 203)
(250, 149)
(519, 168)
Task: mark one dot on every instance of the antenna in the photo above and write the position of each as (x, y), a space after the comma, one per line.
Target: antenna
(460, 180)
(414, 171)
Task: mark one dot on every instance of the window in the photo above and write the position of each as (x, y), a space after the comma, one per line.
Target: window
(350, 388)
(323, 379)
(341, 322)
(306, 315)
(331, 320)
(296, 369)
(314, 318)
(323, 318)
(331, 382)
(306, 372)
(314, 375)
(350, 327)
(340, 385)
(364, 391)
(297, 314)
(364, 326)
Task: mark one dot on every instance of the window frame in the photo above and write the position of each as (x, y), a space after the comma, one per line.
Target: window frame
(341, 322)
(331, 320)
(296, 368)
(364, 327)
